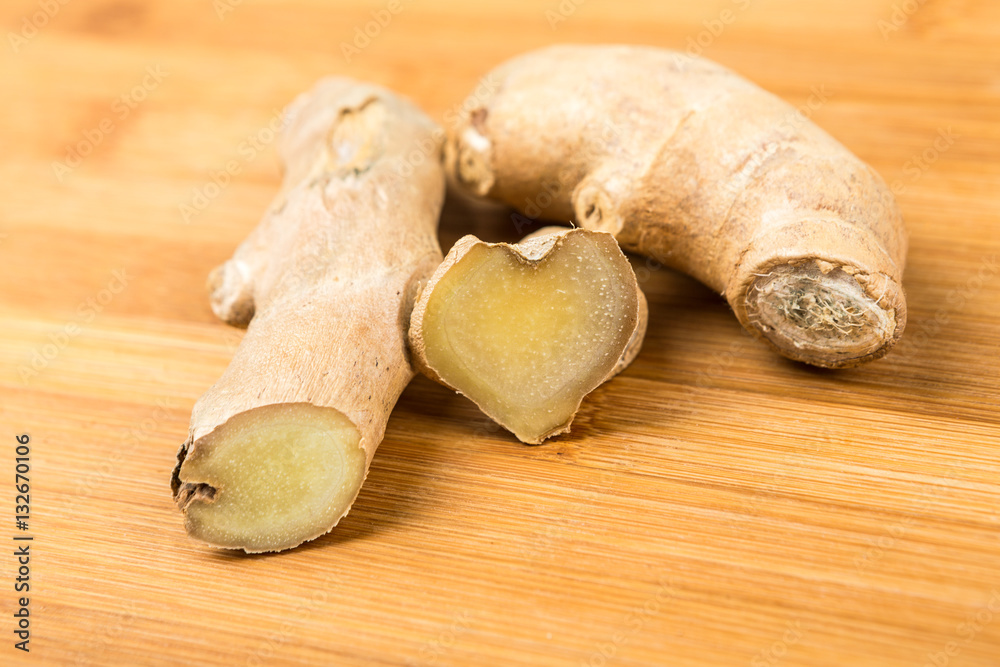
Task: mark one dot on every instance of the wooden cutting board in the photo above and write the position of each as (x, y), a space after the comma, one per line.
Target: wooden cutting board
(714, 505)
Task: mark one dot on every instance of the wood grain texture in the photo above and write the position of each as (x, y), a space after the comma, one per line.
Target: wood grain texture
(714, 505)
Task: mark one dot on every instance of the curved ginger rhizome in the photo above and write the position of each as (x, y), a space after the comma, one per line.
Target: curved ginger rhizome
(690, 164)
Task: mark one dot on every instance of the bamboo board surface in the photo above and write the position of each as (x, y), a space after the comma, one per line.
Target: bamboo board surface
(714, 505)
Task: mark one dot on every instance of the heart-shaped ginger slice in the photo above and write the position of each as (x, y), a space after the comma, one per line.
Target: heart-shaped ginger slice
(527, 330)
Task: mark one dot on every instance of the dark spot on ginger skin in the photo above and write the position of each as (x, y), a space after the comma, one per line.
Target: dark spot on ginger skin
(175, 478)
(478, 119)
(189, 493)
(120, 17)
(186, 493)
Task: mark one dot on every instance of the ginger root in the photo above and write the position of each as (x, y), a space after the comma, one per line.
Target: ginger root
(527, 330)
(694, 166)
(279, 447)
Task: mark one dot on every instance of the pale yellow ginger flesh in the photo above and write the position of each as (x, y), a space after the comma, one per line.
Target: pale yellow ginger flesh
(527, 336)
(270, 475)
(279, 446)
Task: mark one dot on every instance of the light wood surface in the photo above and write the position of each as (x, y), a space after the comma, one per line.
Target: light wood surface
(714, 505)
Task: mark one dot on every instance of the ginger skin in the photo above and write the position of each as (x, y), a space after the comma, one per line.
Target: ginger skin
(690, 164)
(279, 447)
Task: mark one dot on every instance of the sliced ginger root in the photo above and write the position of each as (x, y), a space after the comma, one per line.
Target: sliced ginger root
(278, 471)
(279, 447)
(527, 330)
